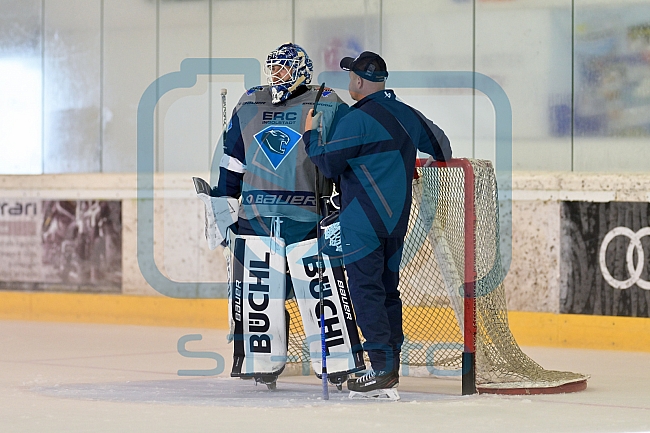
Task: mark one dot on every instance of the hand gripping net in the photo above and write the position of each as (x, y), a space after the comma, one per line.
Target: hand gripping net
(433, 290)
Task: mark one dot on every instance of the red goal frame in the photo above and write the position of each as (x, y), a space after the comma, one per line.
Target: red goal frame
(469, 385)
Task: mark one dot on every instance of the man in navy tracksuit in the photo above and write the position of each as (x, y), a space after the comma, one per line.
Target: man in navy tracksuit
(372, 155)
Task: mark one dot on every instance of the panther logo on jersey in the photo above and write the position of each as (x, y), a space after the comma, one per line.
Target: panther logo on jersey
(277, 141)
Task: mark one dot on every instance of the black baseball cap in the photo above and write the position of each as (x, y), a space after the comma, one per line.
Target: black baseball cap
(367, 65)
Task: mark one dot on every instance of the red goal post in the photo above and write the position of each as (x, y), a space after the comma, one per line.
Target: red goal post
(469, 329)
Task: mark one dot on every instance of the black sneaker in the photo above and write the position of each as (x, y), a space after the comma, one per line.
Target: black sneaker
(374, 380)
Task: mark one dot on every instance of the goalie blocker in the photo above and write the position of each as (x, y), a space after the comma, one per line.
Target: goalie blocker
(257, 314)
(220, 213)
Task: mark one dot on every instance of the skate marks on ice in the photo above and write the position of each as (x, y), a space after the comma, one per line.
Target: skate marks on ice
(216, 392)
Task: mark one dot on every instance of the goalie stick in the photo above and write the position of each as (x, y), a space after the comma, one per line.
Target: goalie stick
(321, 300)
(223, 113)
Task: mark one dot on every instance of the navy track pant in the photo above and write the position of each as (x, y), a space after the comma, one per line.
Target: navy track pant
(373, 280)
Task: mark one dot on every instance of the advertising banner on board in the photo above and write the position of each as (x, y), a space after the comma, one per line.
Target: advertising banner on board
(605, 258)
(61, 245)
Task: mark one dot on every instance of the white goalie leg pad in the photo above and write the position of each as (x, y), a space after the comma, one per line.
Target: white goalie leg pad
(220, 213)
(256, 303)
(341, 334)
(389, 394)
(227, 254)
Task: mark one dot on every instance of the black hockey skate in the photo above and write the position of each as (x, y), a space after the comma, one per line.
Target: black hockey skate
(337, 379)
(375, 384)
(270, 380)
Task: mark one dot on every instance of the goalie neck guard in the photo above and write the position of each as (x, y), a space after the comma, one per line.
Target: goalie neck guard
(295, 69)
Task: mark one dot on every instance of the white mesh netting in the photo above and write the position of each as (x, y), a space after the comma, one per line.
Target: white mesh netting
(432, 289)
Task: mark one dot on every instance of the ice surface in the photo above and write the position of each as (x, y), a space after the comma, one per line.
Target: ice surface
(74, 378)
(216, 392)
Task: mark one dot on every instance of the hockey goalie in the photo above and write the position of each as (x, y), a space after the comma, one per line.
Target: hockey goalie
(272, 246)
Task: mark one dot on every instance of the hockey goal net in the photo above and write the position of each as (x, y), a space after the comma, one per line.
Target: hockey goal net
(451, 282)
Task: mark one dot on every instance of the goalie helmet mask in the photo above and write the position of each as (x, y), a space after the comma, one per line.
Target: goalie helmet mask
(295, 70)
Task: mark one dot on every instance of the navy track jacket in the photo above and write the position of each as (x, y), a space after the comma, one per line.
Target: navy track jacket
(372, 153)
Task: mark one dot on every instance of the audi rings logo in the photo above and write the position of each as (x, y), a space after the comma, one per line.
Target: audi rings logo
(634, 269)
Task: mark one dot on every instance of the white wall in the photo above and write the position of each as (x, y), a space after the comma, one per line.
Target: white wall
(181, 254)
(97, 60)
